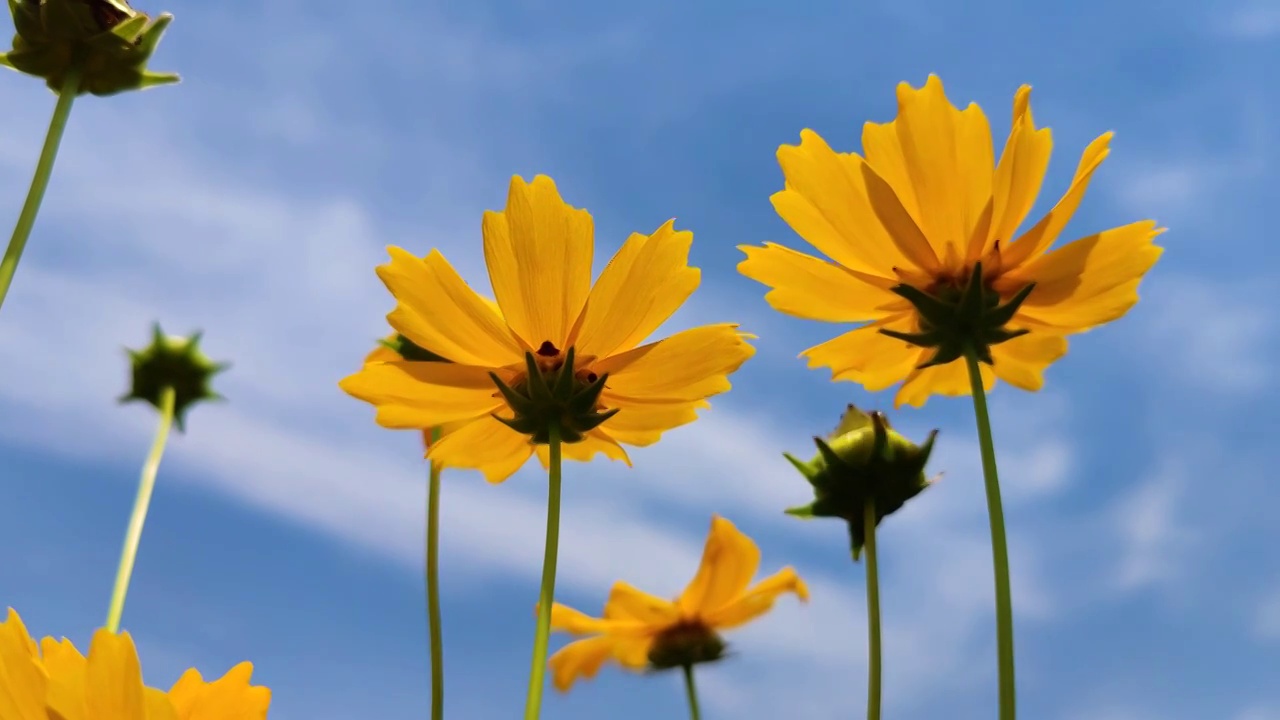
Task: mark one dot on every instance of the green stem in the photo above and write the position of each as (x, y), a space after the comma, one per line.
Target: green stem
(873, 611)
(692, 691)
(44, 168)
(999, 545)
(434, 628)
(546, 595)
(133, 535)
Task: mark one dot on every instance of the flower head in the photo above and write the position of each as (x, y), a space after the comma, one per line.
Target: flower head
(640, 630)
(864, 460)
(172, 362)
(553, 348)
(922, 237)
(106, 40)
(53, 681)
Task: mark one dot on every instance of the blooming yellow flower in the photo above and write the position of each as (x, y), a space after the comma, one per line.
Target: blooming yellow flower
(53, 681)
(640, 630)
(539, 254)
(922, 208)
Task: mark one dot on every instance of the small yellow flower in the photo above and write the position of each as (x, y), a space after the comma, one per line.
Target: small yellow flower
(53, 681)
(923, 208)
(539, 254)
(641, 631)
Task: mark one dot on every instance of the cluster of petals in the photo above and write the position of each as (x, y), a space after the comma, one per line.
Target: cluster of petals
(921, 207)
(52, 680)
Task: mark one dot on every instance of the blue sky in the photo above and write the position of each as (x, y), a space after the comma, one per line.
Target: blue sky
(253, 201)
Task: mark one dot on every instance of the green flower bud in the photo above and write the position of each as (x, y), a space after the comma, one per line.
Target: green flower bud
(953, 319)
(863, 461)
(554, 394)
(685, 645)
(106, 41)
(172, 362)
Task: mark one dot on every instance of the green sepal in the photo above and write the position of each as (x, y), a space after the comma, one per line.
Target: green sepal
(174, 362)
(109, 41)
(960, 319)
(555, 398)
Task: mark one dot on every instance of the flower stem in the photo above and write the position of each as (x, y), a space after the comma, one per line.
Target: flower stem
(434, 627)
(873, 611)
(133, 535)
(546, 595)
(692, 691)
(999, 545)
(44, 169)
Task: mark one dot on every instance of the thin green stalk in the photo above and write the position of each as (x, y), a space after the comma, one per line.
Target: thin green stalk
(999, 545)
(133, 535)
(692, 691)
(873, 611)
(44, 168)
(546, 596)
(434, 628)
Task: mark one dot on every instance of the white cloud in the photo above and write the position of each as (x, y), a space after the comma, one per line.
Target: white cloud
(1253, 21)
(1152, 534)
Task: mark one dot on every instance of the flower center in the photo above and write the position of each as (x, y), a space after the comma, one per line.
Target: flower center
(688, 642)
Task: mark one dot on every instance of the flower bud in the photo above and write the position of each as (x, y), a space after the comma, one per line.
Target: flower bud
(106, 41)
(954, 319)
(172, 362)
(863, 461)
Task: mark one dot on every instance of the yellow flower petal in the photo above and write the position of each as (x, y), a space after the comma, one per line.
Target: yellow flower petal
(113, 680)
(950, 379)
(729, 561)
(485, 445)
(582, 659)
(688, 366)
(1021, 362)
(539, 252)
(866, 356)
(1019, 174)
(67, 670)
(230, 697)
(629, 603)
(1091, 281)
(596, 442)
(381, 353)
(827, 202)
(927, 158)
(22, 681)
(415, 395)
(645, 282)
(642, 424)
(806, 287)
(758, 600)
(1038, 239)
(438, 311)
(157, 706)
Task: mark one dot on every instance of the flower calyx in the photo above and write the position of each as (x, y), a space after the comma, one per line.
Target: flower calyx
(554, 395)
(172, 362)
(685, 644)
(863, 461)
(955, 320)
(107, 42)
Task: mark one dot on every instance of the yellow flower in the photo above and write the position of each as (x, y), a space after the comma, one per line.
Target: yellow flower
(921, 209)
(539, 254)
(640, 630)
(53, 681)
